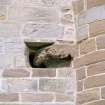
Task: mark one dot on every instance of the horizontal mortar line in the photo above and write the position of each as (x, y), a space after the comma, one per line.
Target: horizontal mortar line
(86, 54)
(44, 102)
(96, 19)
(38, 92)
(30, 102)
(9, 102)
(58, 78)
(76, 69)
(90, 38)
(94, 63)
(88, 89)
(3, 78)
(89, 22)
(98, 74)
(54, 92)
(89, 53)
(93, 101)
(31, 92)
(82, 80)
(34, 22)
(101, 49)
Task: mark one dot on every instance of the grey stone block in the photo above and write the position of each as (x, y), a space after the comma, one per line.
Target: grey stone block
(18, 85)
(43, 31)
(82, 32)
(5, 2)
(36, 14)
(55, 85)
(91, 15)
(9, 30)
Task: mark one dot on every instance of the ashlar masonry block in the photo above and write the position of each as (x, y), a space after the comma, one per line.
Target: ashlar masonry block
(82, 32)
(94, 3)
(5, 2)
(18, 85)
(100, 41)
(16, 73)
(96, 68)
(87, 46)
(42, 3)
(43, 31)
(96, 28)
(94, 81)
(78, 6)
(37, 97)
(35, 14)
(91, 15)
(9, 97)
(88, 96)
(56, 85)
(94, 57)
(9, 30)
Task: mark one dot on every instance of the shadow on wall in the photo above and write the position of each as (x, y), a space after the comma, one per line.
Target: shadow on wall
(48, 55)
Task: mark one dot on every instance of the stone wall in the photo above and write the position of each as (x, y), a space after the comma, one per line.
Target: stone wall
(32, 20)
(79, 24)
(90, 65)
(35, 21)
(37, 86)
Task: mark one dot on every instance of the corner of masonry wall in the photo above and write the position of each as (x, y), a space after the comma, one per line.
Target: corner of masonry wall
(76, 23)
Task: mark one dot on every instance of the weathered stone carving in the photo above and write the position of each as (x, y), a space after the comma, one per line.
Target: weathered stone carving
(51, 56)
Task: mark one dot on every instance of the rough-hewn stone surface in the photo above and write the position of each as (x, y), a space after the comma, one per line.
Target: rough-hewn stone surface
(9, 97)
(46, 15)
(87, 46)
(82, 24)
(88, 96)
(64, 98)
(80, 74)
(82, 32)
(16, 73)
(94, 81)
(91, 86)
(101, 102)
(102, 92)
(78, 6)
(94, 57)
(65, 72)
(97, 68)
(24, 21)
(92, 15)
(56, 85)
(43, 72)
(94, 3)
(97, 28)
(5, 2)
(43, 31)
(52, 84)
(79, 86)
(9, 30)
(31, 97)
(18, 85)
(101, 42)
